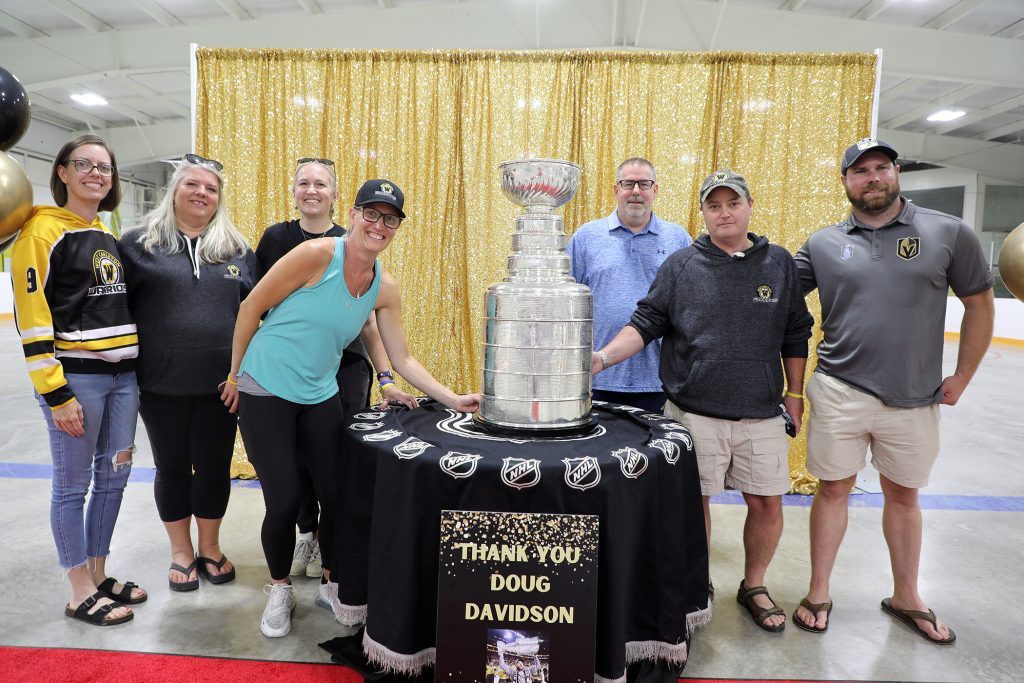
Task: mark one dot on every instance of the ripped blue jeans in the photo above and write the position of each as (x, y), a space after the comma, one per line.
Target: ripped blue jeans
(110, 404)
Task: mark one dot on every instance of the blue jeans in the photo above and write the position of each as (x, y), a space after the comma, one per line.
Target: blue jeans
(110, 404)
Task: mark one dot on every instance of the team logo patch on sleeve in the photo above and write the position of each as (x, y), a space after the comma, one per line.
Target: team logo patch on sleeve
(108, 273)
(908, 247)
(582, 473)
(520, 473)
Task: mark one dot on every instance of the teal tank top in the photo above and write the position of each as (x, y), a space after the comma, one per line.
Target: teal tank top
(296, 352)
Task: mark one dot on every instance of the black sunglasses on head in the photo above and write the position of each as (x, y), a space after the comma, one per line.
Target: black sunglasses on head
(314, 160)
(197, 160)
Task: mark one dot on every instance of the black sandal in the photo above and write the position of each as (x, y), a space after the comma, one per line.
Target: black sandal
(98, 617)
(204, 570)
(183, 586)
(124, 596)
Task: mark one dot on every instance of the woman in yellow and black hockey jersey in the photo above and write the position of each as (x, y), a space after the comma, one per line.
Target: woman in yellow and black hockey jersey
(80, 343)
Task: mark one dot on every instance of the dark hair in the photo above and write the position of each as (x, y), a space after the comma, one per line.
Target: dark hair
(60, 190)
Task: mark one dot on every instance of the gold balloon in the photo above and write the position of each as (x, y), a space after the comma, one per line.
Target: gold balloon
(15, 198)
(1011, 262)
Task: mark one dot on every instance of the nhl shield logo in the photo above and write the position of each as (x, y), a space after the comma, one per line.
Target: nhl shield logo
(369, 416)
(410, 448)
(632, 462)
(671, 425)
(520, 473)
(365, 426)
(582, 473)
(654, 417)
(386, 435)
(630, 409)
(669, 448)
(459, 465)
(908, 247)
(681, 436)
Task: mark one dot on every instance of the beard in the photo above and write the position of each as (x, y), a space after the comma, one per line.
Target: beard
(875, 204)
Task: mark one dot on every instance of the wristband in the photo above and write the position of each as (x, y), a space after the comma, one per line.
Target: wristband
(604, 359)
(232, 382)
(385, 383)
(384, 373)
(790, 394)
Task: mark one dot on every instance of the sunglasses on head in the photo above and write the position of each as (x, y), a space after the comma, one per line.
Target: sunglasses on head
(197, 160)
(314, 160)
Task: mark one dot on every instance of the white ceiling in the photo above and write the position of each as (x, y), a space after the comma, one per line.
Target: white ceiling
(966, 54)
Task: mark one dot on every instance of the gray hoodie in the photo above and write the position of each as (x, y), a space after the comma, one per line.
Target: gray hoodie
(726, 321)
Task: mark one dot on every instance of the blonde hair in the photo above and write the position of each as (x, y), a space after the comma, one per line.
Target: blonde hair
(330, 172)
(221, 240)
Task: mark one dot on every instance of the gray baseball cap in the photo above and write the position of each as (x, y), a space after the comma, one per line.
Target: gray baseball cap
(724, 178)
(862, 147)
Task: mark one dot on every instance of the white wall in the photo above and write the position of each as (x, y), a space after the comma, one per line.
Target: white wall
(1009, 318)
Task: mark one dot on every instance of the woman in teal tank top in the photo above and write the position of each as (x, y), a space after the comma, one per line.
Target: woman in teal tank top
(283, 375)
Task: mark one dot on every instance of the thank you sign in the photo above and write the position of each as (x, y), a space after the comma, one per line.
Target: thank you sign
(517, 597)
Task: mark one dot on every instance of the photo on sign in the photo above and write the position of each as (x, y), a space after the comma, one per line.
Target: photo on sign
(517, 656)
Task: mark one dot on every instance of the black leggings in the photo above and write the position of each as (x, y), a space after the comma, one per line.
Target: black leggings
(280, 438)
(193, 438)
(354, 380)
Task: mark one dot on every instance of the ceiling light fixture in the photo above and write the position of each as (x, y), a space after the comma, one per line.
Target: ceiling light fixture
(89, 99)
(947, 115)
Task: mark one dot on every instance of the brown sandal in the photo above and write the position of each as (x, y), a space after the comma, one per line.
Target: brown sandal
(814, 608)
(745, 597)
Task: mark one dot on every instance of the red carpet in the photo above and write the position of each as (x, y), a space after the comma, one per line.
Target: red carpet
(52, 665)
(57, 665)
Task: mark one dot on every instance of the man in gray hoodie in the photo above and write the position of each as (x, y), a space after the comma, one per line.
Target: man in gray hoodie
(732, 319)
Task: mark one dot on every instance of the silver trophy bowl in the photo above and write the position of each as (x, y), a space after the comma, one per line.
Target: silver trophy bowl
(538, 326)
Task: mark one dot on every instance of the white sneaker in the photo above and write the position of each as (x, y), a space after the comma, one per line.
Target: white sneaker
(303, 551)
(314, 566)
(277, 616)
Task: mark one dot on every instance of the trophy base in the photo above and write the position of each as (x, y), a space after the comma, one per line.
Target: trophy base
(536, 432)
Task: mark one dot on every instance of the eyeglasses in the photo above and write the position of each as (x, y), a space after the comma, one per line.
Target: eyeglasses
(630, 184)
(197, 160)
(84, 166)
(373, 215)
(313, 160)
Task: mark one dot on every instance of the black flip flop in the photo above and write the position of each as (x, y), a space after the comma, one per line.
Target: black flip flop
(183, 586)
(98, 616)
(204, 569)
(907, 616)
(124, 596)
(814, 608)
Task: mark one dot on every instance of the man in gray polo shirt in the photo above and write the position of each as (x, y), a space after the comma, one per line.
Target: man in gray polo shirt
(617, 257)
(733, 321)
(883, 276)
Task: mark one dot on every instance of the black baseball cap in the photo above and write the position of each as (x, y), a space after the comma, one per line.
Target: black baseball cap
(862, 147)
(383, 192)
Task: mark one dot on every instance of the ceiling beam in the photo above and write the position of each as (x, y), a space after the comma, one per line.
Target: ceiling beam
(66, 111)
(901, 89)
(386, 4)
(954, 14)
(871, 10)
(1015, 30)
(234, 9)
(79, 15)
(98, 75)
(311, 6)
(927, 108)
(18, 27)
(793, 5)
(982, 114)
(158, 13)
(995, 159)
(1014, 127)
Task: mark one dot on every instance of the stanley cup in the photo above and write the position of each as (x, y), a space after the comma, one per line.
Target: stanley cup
(538, 333)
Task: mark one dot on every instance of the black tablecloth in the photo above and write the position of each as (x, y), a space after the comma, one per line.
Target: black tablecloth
(637, 472)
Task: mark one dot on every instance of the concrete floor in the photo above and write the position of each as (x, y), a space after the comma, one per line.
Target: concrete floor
(971, 567)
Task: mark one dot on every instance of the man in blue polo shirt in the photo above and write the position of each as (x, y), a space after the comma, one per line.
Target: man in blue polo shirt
(617, 257)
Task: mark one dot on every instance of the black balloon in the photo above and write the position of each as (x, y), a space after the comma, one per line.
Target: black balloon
(14, 110)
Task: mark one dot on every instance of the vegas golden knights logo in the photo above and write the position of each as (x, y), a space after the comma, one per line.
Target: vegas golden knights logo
(908, 247)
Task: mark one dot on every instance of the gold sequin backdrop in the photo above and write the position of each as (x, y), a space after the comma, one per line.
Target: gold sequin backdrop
(438, 123)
